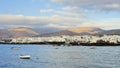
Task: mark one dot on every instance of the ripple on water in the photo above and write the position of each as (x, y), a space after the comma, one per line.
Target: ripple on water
(64, 57)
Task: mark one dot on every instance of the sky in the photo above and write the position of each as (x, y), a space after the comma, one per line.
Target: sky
(103, 14)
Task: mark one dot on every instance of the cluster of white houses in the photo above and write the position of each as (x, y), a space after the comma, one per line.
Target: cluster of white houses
(67, 39)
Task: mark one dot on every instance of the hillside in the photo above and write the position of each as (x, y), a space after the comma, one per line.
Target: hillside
(17, 32)
(4, 33)
(114, 31)
(22, 32)
(85, 30)
(63, 32)
(28, 32)
(75, 31)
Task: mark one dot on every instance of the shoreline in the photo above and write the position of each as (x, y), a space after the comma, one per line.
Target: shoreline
(86, 40)
(70, 44)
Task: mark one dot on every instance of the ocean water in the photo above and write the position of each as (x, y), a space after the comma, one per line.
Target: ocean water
(47, 56)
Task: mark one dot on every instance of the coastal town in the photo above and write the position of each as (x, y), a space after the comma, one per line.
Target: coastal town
(66, 40)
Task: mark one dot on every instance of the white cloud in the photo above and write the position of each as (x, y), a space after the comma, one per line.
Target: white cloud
(106, 23)
(60, 1)
(72, 9)
(63, 12)
(46, 11)
(60, 19)
(41, 21)
(101, 25)
(56, 21)
(91, 4)
(112, 6)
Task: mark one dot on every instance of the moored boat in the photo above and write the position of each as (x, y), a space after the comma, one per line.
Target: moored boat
(25, 56)
(15, 48)
(93, 47)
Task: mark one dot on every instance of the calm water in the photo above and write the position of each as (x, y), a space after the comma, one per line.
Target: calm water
(45, 56)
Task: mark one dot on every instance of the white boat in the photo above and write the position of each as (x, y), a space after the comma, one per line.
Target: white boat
(56, 47)
(93, 47)
(25, 56)
(15, 48)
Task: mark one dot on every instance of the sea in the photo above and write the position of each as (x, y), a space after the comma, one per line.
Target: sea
(48, 56)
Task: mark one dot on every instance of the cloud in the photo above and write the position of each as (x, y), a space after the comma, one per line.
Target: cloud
(106, 23)
(67, 12)
(113, 6)
(56, 21)
(72, 9)
(91, 4)
(46, 10)
(38, 21)
(101, 25)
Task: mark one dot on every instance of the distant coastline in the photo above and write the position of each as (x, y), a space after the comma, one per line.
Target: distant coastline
(86, 40)
(63, 44)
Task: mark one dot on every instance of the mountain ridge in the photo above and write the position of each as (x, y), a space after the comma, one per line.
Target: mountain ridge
(17, 32)
(75, 31)
(32, 32)
(89, 30)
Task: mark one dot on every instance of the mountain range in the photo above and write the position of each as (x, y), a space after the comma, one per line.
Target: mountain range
(30, 32)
